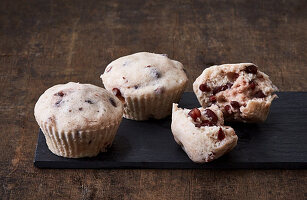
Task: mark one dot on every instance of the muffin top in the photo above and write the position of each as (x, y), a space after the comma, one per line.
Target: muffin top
(75, 106)
(144, 73)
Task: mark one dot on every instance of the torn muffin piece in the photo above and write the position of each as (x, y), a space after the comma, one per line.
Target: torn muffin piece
(201, 133)
(240, 90)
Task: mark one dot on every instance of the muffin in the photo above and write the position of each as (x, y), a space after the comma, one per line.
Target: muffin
(242, 91)
(201, 133)
(78, 120)
(146, 83)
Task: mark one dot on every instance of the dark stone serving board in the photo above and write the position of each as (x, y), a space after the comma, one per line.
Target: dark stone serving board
(280, 142)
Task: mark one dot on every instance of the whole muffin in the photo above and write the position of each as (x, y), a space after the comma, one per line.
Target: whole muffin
(146, 83)
(242, 91)
(78, 120)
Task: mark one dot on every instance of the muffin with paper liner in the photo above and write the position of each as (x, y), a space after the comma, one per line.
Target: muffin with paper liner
(147, 84)
(78, 120)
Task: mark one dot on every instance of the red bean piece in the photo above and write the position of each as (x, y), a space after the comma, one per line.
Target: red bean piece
(235, 104)
(212, 99)
(252, 85)
(220, 88)
(194, 113)
(118, 94)
(259, 94)
(221, 134)
(109, 69)
(232, 76)
(210, 114)
(227, 108)
(204, 88)
(60, 93)
(217, 89)
(198, 125)
(251, 69)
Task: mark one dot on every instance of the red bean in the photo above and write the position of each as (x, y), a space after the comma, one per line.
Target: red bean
(212, 99)
(194, 113)
(235, 104)
(204, 88)
(60, 93)
(251, 69)
(227, 108)
(252, 85)
(222, 88)
(198, 125)
(221, 134)
(118, 94)
(232, 76)
(210, 114)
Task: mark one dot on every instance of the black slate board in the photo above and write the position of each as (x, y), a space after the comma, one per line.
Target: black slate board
(280, 142)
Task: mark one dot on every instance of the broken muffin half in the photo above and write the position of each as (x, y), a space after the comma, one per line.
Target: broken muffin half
(201, 133)
(241, 91)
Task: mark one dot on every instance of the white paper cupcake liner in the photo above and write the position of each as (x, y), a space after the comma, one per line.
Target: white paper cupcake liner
(153, 105)
(77, 144)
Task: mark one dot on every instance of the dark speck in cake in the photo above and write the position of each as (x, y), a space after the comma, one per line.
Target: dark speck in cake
(112, 102)
(136, 87)
(69, 110)
(159, 90)
(51, 119)
(125, 63)
(57, 104)
(124, 77)
(155, 73)
(90, 142)
(80, 108)
(89, 101)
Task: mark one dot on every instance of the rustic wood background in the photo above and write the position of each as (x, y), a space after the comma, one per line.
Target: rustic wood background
(43, 43)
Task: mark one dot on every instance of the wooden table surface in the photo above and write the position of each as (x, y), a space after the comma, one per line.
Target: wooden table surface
(43, 43)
